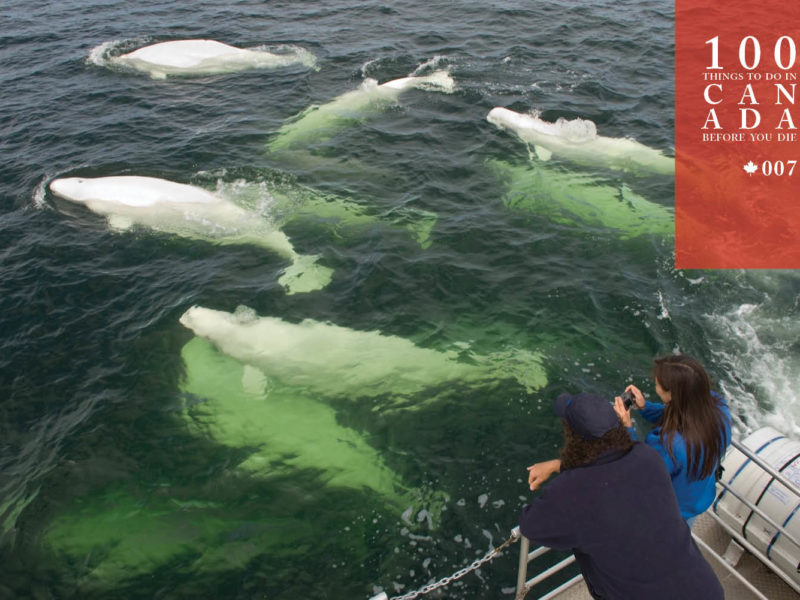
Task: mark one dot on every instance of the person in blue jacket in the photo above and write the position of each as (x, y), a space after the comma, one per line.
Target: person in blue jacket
(613, 507)
(693, 429)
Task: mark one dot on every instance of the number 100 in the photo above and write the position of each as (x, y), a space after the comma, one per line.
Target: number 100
(750, 53)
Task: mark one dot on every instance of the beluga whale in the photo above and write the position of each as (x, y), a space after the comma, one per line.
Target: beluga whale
(189, 211)
(326, 360)
(205, 57)
(321, 122)
(577, 140)
(286, 431)
(581, 199)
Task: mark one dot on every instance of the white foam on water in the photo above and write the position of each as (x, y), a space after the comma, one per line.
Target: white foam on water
(100, 55)
(38, 196)
(253, 195)
(406, 516)
(103, 54)
(664, 313)
(576, 130)
(489, 536)
(365, 67)
(761, 364)
(291, 54)
(432, 64)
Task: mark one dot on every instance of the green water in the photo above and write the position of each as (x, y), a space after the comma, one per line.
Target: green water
(470, 283)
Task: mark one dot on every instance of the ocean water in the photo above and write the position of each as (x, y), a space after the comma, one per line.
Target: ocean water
(138, 462)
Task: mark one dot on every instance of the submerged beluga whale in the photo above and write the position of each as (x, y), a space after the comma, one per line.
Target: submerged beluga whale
(285, 430)
(205, 57)
(274, 439)
(118, 535)
(192, 212)
(320, 122)
(324, 359)
(578, 141)
(581, 199)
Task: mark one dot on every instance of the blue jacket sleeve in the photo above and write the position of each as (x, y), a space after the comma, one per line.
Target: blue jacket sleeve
(652, 411)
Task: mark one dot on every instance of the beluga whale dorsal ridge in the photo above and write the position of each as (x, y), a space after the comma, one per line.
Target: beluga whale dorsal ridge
(206, 57)
(577, 140)
(191, 212)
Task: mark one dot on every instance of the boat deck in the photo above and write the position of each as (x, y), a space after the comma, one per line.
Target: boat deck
(752, 569)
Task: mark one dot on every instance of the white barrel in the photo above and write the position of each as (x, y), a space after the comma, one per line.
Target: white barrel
(761, 489)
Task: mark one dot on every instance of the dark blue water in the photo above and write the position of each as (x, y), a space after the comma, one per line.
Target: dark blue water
(108, 490)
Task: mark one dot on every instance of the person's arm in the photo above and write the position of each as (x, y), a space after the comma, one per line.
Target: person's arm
(540, 472)
(624, 415)
(652, 411)
(543, 522)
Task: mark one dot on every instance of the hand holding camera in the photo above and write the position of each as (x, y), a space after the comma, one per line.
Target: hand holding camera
(628, 399)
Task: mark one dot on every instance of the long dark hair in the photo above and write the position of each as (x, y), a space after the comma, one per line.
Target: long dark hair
(693, 412)
(579, 451)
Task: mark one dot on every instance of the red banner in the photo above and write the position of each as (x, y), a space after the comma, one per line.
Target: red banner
(737, 143)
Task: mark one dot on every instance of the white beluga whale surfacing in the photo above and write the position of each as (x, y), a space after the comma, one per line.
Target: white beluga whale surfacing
(201, 57)
(577, 140)
(320, 122)
(192, 212)
(324, 359)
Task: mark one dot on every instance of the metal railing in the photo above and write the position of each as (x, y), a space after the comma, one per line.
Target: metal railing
(524, 585)
(740, 536)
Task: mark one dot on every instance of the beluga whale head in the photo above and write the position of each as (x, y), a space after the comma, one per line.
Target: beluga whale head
(75, 189)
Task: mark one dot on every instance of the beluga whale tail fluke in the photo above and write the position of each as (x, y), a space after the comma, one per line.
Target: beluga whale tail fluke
(201, 57)
(189, 211)
(577, 140)
(437, 81)
(321, 122)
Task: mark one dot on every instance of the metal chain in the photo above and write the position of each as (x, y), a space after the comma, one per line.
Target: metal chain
(460, 573)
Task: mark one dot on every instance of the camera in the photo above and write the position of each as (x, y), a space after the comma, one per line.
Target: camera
(628, 400)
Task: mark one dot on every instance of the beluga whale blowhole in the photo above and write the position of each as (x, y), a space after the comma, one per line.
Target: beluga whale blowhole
(577, 140)
(189, 211)
(201, 57)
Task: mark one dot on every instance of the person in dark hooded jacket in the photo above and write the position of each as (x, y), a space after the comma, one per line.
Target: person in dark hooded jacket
(613, 506)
